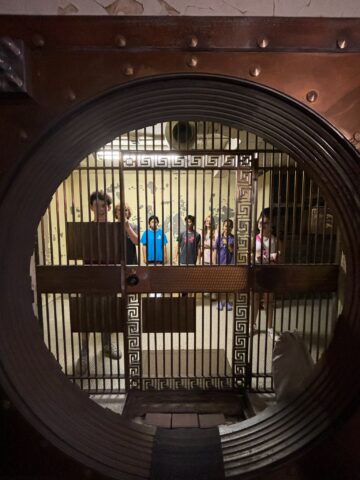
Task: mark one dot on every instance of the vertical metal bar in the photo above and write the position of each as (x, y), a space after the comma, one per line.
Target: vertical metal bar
(88, 208)
(318, 328)
(308, 222)
(300, 247)
(187, 264)
(253, 248)
(163, 216)
(123, 272)
(178, 257)
(293, 229)
(218, 295)
(286, 256)
(331, 238)
(234, 253)
(323, 233)
(196, 260)
(317, 224)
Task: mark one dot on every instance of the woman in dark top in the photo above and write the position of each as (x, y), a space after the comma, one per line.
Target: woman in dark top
(132, 238)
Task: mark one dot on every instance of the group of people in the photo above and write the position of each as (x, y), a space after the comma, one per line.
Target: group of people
(191, 247)
(211, 247)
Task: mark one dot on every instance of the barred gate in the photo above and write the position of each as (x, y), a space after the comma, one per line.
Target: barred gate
(183, 324)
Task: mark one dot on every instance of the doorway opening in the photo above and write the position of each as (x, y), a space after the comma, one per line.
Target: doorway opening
(124, 306)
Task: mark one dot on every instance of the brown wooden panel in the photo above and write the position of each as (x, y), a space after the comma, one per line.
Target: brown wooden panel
(295, 278)
(229, 278)
(91, 313)
(94, 242)
(168, 314)
(79, 279)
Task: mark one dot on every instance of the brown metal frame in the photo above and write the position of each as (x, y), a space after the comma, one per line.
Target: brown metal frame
(31, 173)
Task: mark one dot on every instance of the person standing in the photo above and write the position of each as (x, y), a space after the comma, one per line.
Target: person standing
(224, 250)
(132, 238)
(154, 243)
(189, 243)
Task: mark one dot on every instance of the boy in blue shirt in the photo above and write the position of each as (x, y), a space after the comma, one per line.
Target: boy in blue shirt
(154, 243)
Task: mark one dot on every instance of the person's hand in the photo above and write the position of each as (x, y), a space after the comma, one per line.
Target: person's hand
(273, 257)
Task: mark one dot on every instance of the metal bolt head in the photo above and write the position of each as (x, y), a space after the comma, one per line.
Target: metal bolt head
(71, 95)
(255, 70)
(342, 43)
(38, 40)
(128, 70)
(120, 41)
(192, 62)
(193, 41)
(312, 96)
(263, 42)
(23, 135)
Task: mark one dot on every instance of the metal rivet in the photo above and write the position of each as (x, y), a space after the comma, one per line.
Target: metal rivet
(128, 70)
(192, 62)
(23, 135)
(70, 95)
(263, 42)
(357, 136)
(193, 41)
(255, 70)
(312, 96)
(342, 43)
(38, 40)
(120, 41)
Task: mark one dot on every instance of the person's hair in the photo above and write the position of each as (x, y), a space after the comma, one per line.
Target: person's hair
(211, 229)
(153, 217)
(265, 213)
(117, 206)
(190, 217)
(104, 197)
(229, 221)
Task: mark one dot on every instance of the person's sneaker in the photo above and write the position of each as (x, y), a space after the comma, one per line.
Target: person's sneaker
(111, 350)
(229, 306)
(220, 306)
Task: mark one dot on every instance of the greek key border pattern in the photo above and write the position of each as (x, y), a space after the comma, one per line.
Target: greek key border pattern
(201, 161)
(243, 236)
(186, 384)
(134, 341)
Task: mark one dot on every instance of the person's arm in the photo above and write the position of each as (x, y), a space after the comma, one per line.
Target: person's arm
(258, 250)
(176, 251)
(166, 256)
(143, 250)
(131, 233)
(199, 249)
(143, 247)
(215, 250)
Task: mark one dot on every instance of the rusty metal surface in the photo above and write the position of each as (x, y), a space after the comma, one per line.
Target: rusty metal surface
(301, 56)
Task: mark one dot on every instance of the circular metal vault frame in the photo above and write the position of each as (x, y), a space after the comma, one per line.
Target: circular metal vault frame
(33, 379)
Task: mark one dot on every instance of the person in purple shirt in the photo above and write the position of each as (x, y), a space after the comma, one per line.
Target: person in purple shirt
(224, 250)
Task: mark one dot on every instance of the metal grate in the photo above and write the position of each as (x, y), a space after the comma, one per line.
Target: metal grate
(200, 335)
